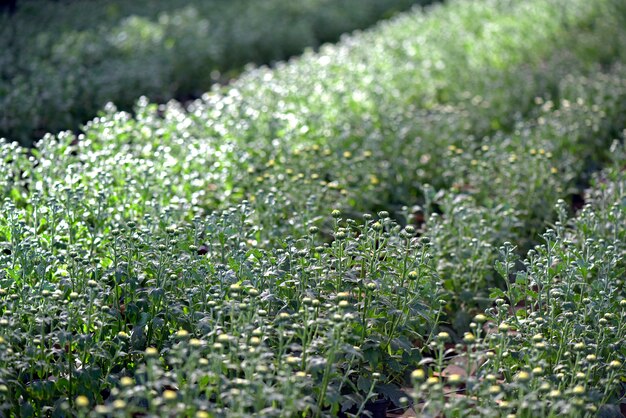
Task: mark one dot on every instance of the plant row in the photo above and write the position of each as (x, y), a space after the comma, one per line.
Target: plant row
(552, 343)
(60, 65)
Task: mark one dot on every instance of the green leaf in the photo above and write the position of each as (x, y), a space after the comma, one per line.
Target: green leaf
(364, 384)
(497, 293)
(391, 392)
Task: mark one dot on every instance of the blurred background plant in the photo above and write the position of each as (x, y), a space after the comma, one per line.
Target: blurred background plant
(61, 62)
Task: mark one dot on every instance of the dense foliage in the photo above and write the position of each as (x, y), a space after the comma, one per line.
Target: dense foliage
(61, 62)
(392, 216)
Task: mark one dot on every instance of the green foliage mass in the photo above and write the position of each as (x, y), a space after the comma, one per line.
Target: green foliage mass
(391, 216)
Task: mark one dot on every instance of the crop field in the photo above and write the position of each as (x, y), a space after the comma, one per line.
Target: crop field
(424, 219)
(60, 65)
